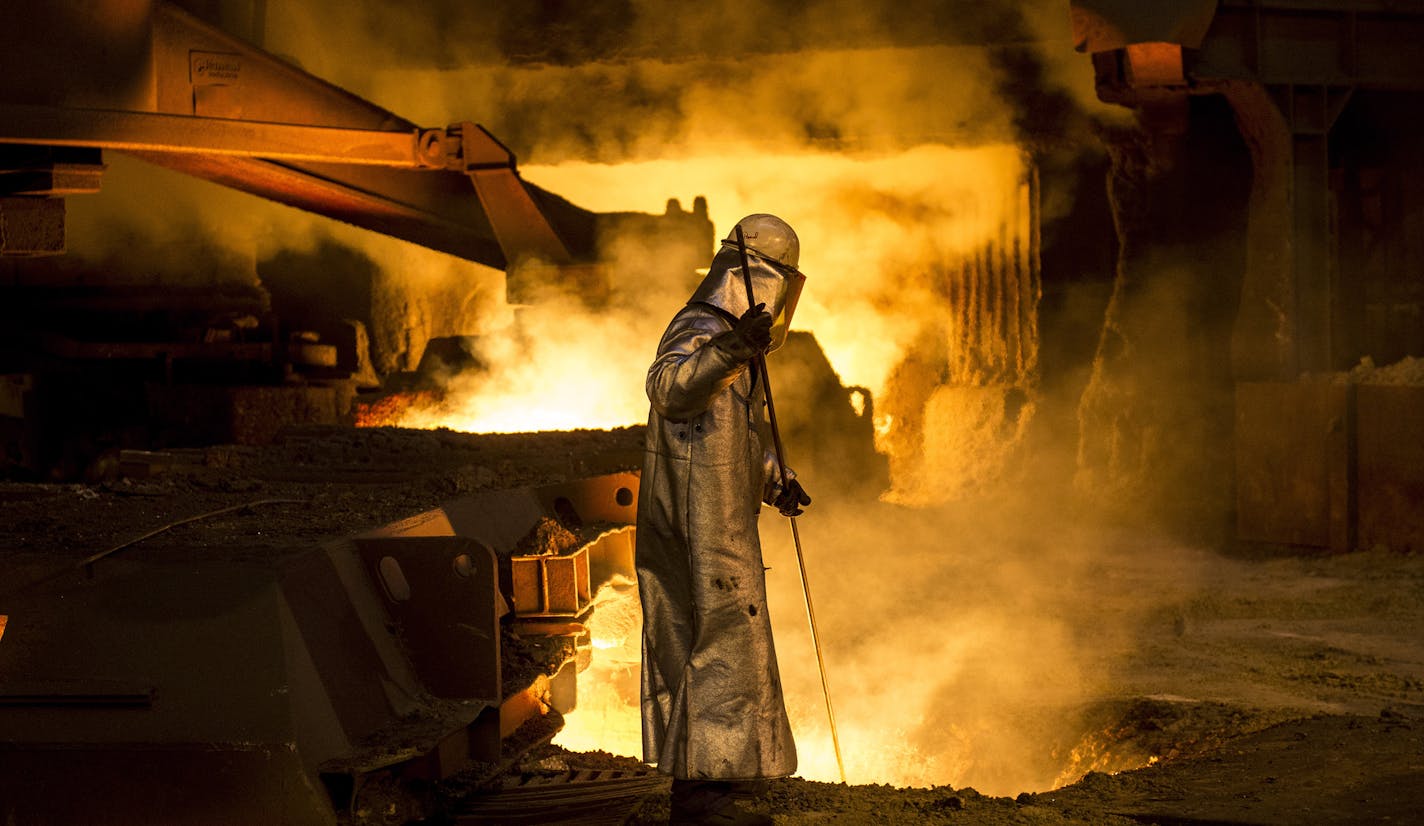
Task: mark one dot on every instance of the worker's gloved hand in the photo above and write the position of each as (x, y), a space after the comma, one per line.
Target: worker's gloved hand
(791, 499)
(752, 331)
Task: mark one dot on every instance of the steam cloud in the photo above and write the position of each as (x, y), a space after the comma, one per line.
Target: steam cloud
(638, 80)
(853, 125)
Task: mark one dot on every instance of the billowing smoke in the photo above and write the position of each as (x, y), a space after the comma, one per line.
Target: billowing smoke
(636, 80)
(874, 229)
(964, 645)
(759, 110)
(898, 148)
(157, 227)
(153, 226)
(972, 645)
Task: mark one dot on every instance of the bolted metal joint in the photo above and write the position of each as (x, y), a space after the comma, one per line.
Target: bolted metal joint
(470, 147)
(430, 148)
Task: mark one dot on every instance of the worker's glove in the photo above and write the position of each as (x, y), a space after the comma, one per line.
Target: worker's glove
(751, 334)
(790, 499)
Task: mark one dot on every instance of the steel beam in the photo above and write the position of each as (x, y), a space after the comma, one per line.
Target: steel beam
(1313, 252)
(435, 208)
(187, 96)
(520, 226)
(192, 134)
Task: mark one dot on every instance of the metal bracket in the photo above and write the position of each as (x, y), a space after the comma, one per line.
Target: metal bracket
(1311, 109)
(520, 226)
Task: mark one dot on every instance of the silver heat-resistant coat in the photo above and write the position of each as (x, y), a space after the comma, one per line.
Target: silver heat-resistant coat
(711, 698)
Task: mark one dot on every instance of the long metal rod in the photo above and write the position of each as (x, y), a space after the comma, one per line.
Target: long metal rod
(87, 563)
(795, 532)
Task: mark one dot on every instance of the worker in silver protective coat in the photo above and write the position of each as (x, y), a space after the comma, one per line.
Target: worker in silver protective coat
(712, 703)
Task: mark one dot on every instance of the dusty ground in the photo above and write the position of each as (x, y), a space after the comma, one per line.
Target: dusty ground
(1265, 687)
(343, 481)
(1265, 690)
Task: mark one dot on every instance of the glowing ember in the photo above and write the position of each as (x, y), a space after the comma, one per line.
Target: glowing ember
(1102, 752)
(390, 410)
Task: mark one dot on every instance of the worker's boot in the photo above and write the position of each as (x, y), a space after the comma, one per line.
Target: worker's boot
(710, 803)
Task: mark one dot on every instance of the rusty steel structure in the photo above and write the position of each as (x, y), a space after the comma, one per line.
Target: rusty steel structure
(375, 658)
(1319, 92)
(178, 92)
(294, 341)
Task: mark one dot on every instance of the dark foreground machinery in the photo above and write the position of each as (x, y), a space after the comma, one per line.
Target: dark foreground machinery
(348, 679)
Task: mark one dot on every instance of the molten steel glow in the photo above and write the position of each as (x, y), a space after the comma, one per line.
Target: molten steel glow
(392, 409)
(1108, 751)
(922, 283)
(607, 716)
(559, 379)
(878, 234)
(875, 230)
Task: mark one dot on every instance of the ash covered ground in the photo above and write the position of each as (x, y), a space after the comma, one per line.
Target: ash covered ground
(1210, 684)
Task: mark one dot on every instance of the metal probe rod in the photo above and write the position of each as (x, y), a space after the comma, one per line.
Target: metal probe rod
(795, 532)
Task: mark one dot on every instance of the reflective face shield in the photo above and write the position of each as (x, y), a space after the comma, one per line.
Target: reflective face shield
(774, 284)
(777, 285)
(794, 280)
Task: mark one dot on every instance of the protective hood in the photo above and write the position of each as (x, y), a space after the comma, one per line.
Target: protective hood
(773, 284)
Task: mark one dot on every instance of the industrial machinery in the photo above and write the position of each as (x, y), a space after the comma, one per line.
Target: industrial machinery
(228, 692)
(104, 356)
(1314, 378)
(296, 688)
(152, 80)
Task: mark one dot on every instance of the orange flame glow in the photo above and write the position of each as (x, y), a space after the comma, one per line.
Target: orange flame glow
(607, 717)
(874, 230)
(893, 245)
